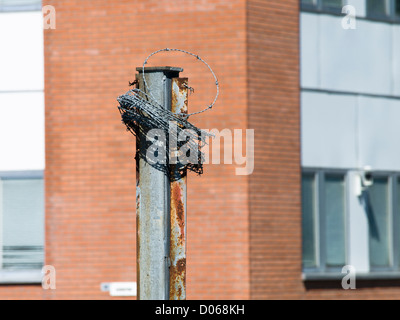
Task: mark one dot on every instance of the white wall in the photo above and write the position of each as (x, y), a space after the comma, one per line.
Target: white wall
(364, 60)
(21, 91)
(362, 127)
(379, 133)
(328, 132)
(350, 131)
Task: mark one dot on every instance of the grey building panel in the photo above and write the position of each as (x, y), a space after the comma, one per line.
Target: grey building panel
(379, 133)
(309, 53)
(356, 60)
(396, 60)
(328, 134)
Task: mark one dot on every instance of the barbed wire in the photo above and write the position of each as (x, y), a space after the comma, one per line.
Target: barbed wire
(141, 112)
(198, 58)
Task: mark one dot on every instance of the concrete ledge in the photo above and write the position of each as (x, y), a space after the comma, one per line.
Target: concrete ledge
(359, 276)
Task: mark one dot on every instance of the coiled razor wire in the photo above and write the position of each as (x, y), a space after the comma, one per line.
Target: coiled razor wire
(141, 112)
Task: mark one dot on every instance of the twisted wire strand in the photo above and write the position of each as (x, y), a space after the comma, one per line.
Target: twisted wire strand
(198, 58)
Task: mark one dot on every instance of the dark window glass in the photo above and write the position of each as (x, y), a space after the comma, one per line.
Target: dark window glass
(335, 230)
(332, 3)
(379, 223)
(378, 8)
(308, 220)
(396, 220)
(308, 2)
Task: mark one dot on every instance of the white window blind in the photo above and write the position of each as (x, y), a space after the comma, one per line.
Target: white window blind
(22, 223)
(20, 5)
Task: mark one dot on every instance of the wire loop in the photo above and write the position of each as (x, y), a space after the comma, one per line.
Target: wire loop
(198, 58)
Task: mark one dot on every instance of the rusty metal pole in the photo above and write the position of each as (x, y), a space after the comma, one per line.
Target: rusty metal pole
(178, 185)
(153, 200)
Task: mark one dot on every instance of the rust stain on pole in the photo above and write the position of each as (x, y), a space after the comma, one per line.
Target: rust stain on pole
(137, 221)
(177, 271)
(136, 83)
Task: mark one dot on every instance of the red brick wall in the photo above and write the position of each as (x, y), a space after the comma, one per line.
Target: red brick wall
(274, 190)
(90, 172)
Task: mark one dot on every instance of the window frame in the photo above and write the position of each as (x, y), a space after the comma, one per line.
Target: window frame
(391, 207)
(391, 17)
(19, 276)
(318, 6)
(319, 227)
(393, 179)
(321, 272)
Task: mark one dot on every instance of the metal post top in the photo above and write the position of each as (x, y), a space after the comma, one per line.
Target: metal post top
(159, 69)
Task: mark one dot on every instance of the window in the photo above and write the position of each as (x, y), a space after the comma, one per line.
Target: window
(382, 206)
(21, 222)
(383, 9)
(309, 3)
(397, 9)
(20, 5)
(378, 8)
(379, 223)
(309, 221)
(334, 220)
(332, 3)
(324, 216)
(333, 6)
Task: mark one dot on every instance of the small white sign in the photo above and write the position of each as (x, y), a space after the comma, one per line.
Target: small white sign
(123, 289)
